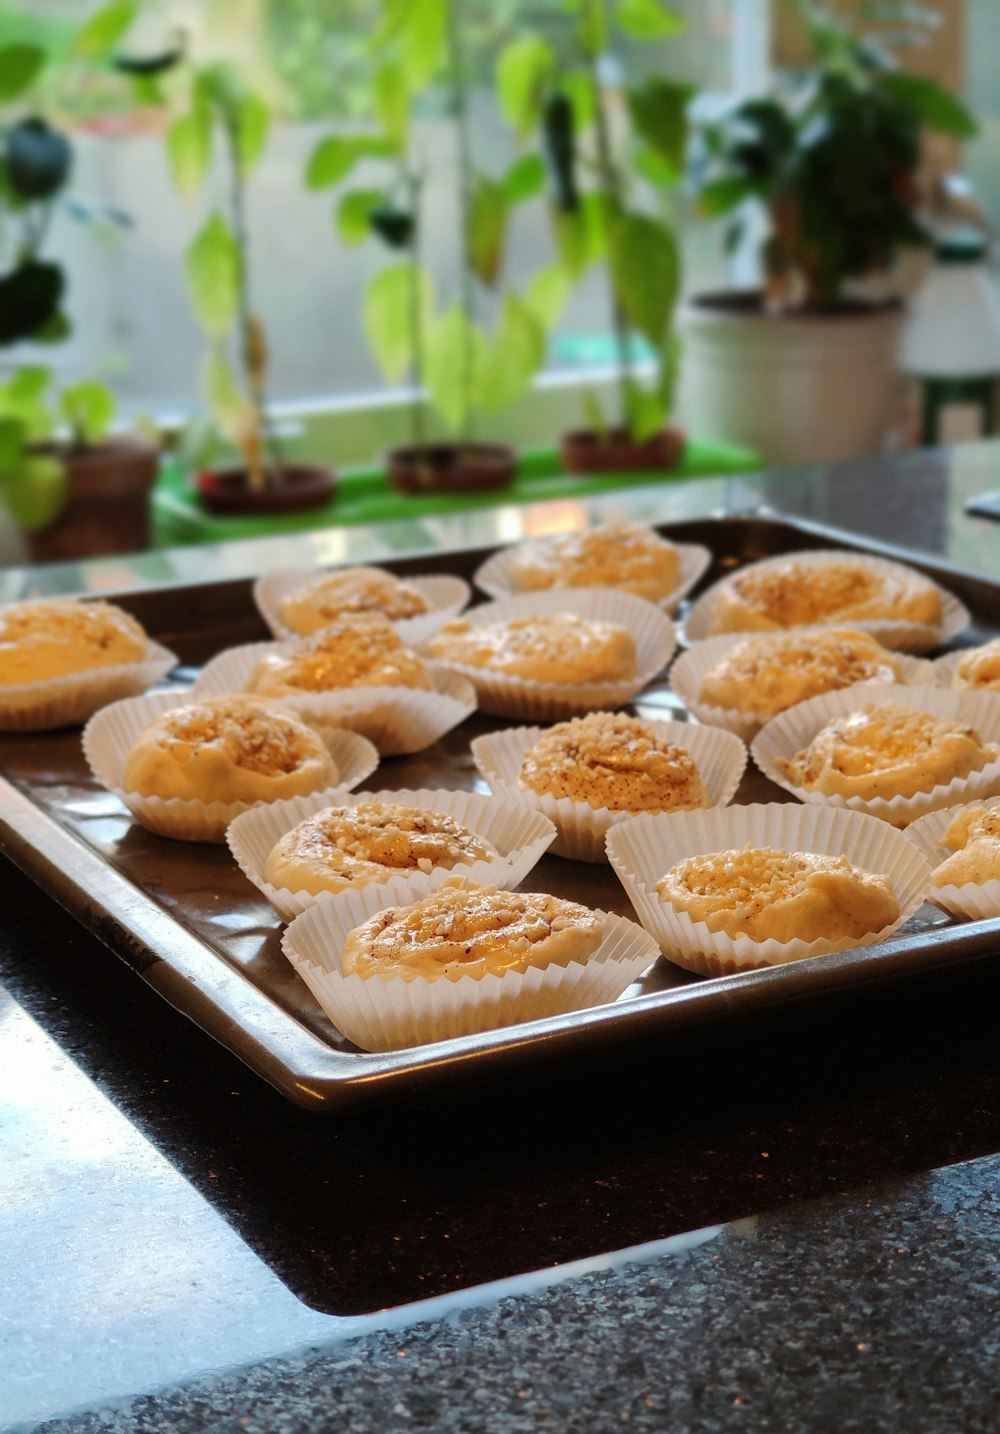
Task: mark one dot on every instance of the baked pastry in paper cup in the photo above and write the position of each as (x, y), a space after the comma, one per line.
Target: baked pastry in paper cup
(645, 848)
(418, 606)
(896, 752)
(831, 587)
(332, 762)
(595, 958)
(61, 659)
(719, 760)
(772, 671)
(515, 836)
(621, 556)
(592, 648)
(962, 845)
(973, 669)
(396, 719)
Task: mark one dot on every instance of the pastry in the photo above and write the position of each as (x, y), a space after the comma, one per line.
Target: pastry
(979, 667)
(626, 556)
(766, 894)
(460, 931)
(228, 749)
(57, 637)
(887, 750)
(796, 593)
(357, 649)
(973, 837)
(609, 759)
(761, 676)
(342, 847)
(322, 600)
(560, 648)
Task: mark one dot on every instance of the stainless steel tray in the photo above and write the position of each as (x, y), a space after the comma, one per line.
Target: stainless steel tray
(187, 920)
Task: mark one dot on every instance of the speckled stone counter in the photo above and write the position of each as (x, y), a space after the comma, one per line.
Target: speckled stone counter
(782, 1221)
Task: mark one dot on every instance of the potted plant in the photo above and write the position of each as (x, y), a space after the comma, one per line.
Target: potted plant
(803, 369)
(459, 368)
(614, 152)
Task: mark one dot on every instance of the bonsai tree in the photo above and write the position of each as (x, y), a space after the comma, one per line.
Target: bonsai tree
(831, 157)
(613, 157)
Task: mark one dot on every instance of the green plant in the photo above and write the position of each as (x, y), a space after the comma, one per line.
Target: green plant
(832, 156)
(614, 155)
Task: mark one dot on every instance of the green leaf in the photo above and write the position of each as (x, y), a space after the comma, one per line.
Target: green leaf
(933, 105)
(648, 19)
(658, 109)
(645, 268)
(102, 32)
(582, 236)
(592, 29)
(722, 196)
(578, 87)
(396, 297)
(392, 103)
(20, 66)
(511, 358)
(212, 269)
(488, 216)
(253, 124)
(23, 399)
(646, 411)
(12, 440)
(34, 491)
(417, 31)
(189, 150)
(546, 294)
(594, 413)
(455, 353)
(354, 214)
(88, 408)
(524, 74)
(226, 403)
(28, 384)
(525, 178)
(336, 155)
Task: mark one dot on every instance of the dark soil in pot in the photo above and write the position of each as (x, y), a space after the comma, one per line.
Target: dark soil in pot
(228, 491)
(586, 451)
(108, 502)
(452, 468)
(750, 303)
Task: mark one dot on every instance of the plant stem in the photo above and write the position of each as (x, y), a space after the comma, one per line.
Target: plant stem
(414, 185)
(467, 291)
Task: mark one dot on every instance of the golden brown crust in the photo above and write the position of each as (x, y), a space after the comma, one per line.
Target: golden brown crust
(973, 837)
(360, 649)
(56, 637)
(979, 668)
(609, 759)
(795, 593)
(626, 556)
(768, 894)
(475, 931)
(887, 750)
(561, 648)
(343, 847)
(762, 676)
(358, 589)
(228, 749)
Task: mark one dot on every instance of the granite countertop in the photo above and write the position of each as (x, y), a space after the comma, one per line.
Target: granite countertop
(784, 1220)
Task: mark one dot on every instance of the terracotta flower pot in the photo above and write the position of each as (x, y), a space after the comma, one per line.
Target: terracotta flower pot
(227, 491)
(584, 450)
(108, 501)
(451, 467)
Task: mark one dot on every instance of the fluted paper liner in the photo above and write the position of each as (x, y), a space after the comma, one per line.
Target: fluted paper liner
(976, 901)
(392, 1013)
(581, 829)
(794, 729)
(520, 836)
(493, 576)
(693, 665)
(904, 636)
(108, 738)
(644, 848)
(505, 696)
(397, 720)
(944, 669)
(71, 700)
(446, 593)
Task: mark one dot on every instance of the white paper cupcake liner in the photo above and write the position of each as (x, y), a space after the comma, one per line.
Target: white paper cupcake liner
(386, 1014)
(643, 849)
(975, 901)
(691, 667)
(904, 636)
(581, 829)
(493, 576)
(448, 595)
(70, 701)
(504, 696)
(520, 836)
(396, 720)
(794, 729)
(109, 735)
(944, 670)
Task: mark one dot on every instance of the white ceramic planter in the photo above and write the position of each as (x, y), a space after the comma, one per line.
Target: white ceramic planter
(797, 388)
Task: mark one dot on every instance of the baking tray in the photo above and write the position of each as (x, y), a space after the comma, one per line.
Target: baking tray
(194, 928)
